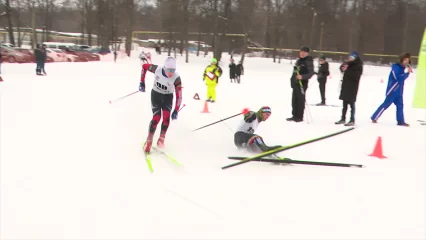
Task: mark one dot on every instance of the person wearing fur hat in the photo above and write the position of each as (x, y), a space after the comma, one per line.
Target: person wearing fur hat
(352, 71)
(244, 137)
(395, 90)
(166, 82)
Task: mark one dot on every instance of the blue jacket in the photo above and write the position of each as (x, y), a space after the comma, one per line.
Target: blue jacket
(396, 80)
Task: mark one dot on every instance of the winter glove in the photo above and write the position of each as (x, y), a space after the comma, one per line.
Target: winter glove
(175, 114)
(142, 86)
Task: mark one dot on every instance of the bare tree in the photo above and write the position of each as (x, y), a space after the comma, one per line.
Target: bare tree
(9, 21)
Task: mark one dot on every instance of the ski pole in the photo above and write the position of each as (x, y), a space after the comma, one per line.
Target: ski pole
(181, 107)
(122, 97)
(245, 110)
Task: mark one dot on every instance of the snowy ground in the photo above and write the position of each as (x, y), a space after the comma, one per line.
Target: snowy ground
(72, 164)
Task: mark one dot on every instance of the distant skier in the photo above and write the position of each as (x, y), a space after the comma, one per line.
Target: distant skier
(395, 90)
(239, 70)
(148, 57)
(232, 71)
(244, 137)
(142, 57)
(166, 82)
(115, 56)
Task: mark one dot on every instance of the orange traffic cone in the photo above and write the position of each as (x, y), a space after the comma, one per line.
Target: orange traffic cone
(206, 107)
(378, 150)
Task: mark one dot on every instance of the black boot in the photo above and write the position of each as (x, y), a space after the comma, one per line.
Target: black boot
(350, 123)
(341, 121)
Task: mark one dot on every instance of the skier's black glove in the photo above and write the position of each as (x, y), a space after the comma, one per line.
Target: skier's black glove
(175, 114)
(142, 86)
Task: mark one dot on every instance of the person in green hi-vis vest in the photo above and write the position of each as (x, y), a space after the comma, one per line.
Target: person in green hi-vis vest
(419, 99)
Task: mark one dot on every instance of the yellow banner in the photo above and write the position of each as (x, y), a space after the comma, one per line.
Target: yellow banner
(419, 99)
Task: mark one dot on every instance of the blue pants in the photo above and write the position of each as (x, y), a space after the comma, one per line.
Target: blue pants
(399, 103)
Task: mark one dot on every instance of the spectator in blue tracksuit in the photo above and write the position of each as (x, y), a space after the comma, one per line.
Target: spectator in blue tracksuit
(395, 90)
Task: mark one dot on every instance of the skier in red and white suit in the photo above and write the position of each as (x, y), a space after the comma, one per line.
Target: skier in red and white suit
(148, 57)
(166, 82)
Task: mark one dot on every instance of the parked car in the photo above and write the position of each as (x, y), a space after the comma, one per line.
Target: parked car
(68, 57)
(55, 55)
(13, 56)
(28, 52)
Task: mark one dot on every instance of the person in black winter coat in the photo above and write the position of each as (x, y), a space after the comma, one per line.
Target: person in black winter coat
(44, 58)
(352, 74)
(322, 74)
(232, 71)
(38, 58)
(239, 70)
(303, 71)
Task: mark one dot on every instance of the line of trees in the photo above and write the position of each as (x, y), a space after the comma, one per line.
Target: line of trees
(374, 26)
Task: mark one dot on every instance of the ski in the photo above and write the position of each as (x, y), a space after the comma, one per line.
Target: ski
(284, 148)
(291, 161)
(327, 105)
(168, 156)
(148, 162)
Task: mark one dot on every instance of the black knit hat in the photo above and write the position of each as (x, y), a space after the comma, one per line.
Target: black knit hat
(322, 57)
(305, 49)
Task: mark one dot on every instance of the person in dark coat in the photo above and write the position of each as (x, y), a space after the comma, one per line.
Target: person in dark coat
(239, 70)
(303, 71)
(352, 74)
(38, 58)
(232, 69)
(322, 75)
(44, 58)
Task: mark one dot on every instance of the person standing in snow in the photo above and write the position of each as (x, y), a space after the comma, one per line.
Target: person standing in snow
(322, 75)
(303, 71)
(166, 82)
(352, 71)
(232, 71)
(211, 78)
(395, 90)
(239, 70)
(39, 58)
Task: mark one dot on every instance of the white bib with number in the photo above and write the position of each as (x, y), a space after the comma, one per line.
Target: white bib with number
(248, 127)
(164, 84)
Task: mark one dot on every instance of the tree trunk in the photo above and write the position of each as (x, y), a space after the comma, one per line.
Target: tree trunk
(33, 25)
(215, 42)
(9, 22)
(130, 4)
(186, 23)
(225, 29)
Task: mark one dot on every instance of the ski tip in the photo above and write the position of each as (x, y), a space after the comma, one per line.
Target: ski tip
(245, 111)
